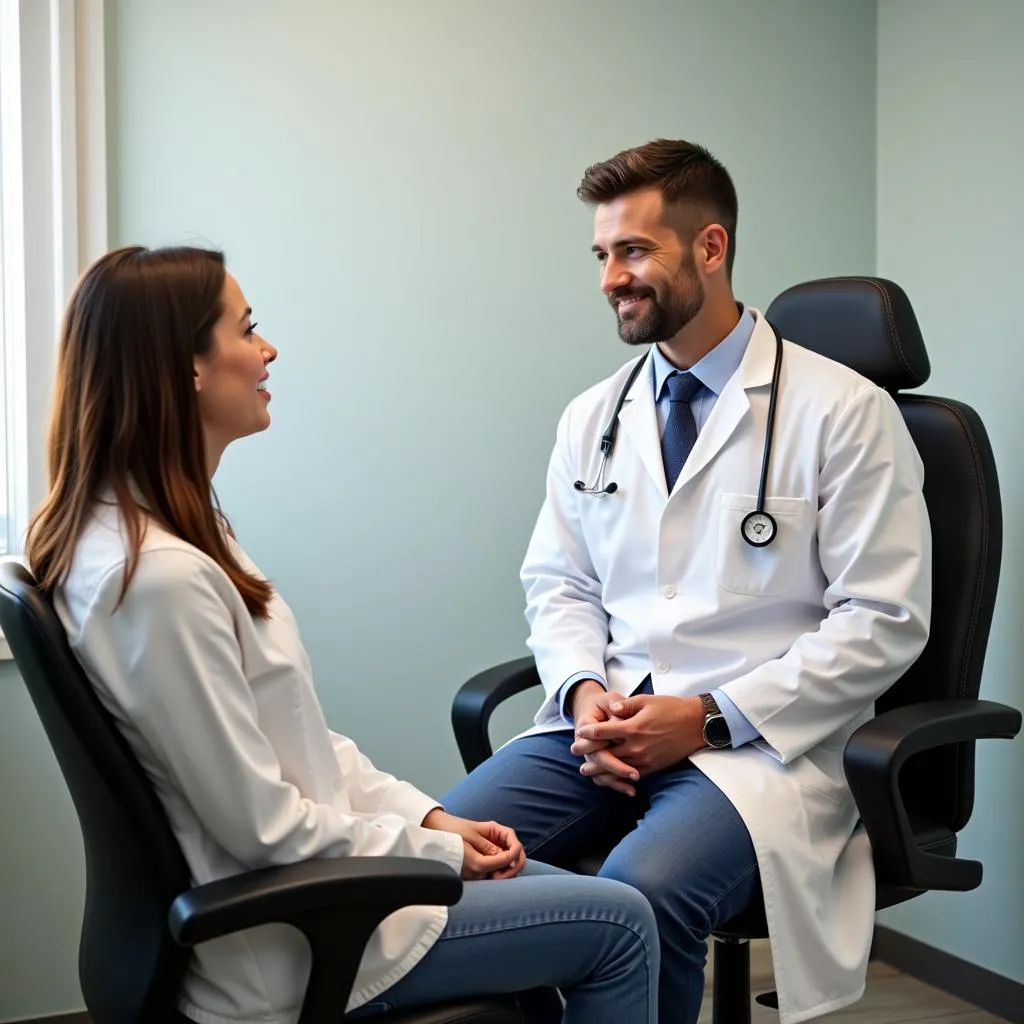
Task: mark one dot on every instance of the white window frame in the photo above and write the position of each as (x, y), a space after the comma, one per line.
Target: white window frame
(53, 211)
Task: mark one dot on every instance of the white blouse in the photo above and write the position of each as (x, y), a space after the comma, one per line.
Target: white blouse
(221, 712)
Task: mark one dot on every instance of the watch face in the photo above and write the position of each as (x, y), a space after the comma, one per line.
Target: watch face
(716, 731)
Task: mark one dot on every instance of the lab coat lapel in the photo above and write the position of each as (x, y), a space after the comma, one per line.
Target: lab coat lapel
(639, 422)
(733, 404)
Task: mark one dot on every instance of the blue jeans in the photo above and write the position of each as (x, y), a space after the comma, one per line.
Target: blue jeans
(679, 841)
(594, 939)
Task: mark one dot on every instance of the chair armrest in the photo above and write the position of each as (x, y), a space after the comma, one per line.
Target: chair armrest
(475, 703)
(285, 894)
(336, 904)
(872, 760)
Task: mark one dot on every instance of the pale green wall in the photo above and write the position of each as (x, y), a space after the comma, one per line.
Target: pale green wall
(42, 870)
(394, 185)
(950, 223)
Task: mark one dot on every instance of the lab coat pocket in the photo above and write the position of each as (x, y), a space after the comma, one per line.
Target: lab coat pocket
(765, 571)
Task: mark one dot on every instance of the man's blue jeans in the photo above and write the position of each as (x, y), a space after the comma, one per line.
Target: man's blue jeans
(679, 841)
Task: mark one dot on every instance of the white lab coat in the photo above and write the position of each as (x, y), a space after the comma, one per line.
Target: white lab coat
(802, 635)
(220, 710)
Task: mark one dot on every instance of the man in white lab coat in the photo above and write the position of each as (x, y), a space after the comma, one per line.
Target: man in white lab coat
(701, 684)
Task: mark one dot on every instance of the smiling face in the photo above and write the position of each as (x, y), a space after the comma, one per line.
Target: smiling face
(648, 271)
(231, 379)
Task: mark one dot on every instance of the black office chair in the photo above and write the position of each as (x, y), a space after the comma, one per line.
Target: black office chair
(141, 914)
(911, 768)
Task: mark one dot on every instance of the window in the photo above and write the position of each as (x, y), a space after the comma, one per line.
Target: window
(52, 218)
(8, 255)
(5, 509)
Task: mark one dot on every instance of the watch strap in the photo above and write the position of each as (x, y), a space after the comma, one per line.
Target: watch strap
(710, 704)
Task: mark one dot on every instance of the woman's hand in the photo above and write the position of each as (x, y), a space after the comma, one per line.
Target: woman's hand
(489, 850)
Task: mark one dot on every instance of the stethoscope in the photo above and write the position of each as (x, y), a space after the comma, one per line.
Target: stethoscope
(758, 527)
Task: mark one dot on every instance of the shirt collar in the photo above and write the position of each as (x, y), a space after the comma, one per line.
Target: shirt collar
(715, 369)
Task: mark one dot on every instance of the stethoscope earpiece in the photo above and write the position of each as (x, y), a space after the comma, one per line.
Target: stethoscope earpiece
(758, 528)
(610, 489)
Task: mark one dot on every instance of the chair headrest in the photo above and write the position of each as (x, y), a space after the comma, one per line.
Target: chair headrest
(866, 323)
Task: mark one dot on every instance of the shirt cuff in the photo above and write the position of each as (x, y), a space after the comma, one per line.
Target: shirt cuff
(408, 802)
(740, 728)
(566, 689)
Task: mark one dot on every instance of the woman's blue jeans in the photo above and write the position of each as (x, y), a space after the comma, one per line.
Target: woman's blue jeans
(595, 939)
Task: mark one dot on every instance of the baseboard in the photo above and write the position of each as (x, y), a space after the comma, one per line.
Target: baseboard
(63, 1018)
(976, 985)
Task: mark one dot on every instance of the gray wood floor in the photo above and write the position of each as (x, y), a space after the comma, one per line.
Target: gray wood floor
(891, 998)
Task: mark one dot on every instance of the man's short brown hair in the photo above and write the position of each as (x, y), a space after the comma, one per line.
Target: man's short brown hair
(686, 174)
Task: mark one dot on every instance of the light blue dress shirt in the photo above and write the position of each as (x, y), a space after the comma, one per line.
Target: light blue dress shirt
(713, 371)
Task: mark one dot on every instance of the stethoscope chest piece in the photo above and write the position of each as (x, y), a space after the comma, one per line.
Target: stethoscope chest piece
(759, 528)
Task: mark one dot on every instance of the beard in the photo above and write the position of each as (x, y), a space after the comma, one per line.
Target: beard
(663, 320)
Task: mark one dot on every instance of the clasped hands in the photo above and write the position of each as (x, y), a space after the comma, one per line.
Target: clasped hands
(489, 850)
(622, 739)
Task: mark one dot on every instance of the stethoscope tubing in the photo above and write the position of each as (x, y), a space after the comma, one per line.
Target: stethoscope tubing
(758, 517)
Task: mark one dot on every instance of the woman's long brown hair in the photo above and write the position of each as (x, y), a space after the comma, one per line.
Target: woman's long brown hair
(125, 413)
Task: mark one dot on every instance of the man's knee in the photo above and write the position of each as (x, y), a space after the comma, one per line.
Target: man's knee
(519, 772)
(676, 908)
(657, 885)
(515, 785)
(476, 796)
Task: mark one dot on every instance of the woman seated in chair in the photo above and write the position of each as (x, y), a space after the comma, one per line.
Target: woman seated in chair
(199, 660)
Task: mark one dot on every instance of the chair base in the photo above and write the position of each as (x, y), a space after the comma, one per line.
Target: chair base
(731, 982)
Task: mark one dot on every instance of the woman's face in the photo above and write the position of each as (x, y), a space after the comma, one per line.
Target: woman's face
(231, 379)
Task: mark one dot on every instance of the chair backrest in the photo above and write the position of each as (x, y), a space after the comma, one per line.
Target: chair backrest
(129, 966)
(869, 325)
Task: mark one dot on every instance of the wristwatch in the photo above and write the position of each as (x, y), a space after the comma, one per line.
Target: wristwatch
(716, 728)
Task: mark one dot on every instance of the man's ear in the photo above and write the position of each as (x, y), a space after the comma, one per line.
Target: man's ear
(714, 242)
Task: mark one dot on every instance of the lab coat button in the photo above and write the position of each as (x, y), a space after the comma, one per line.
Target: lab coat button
(662, 666)
(669, 592)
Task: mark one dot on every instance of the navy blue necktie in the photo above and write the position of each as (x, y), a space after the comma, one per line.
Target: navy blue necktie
(680, 427)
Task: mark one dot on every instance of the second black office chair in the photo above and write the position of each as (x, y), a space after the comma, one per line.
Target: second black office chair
(911, 768)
